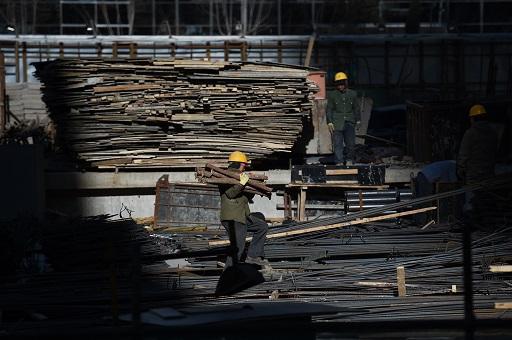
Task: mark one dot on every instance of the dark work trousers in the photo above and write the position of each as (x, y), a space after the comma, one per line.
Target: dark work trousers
(238, 231)
(343, 143)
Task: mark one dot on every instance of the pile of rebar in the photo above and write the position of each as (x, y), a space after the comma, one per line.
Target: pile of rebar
(174, 113)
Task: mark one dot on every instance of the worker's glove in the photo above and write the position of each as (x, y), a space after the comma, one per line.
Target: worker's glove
(331, 127)
(244, 178)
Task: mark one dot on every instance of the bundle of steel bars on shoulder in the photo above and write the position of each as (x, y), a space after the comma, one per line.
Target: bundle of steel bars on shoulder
(214, 175)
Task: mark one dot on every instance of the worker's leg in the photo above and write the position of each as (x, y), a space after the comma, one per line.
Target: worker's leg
(337, 146)
(257, 225)
(236, 232)
(240, 232)
(349, 136)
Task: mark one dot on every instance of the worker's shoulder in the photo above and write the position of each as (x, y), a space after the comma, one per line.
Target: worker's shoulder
(332, 93)
(351, 93)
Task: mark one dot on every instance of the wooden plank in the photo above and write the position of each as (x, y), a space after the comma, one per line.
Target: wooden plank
(333, 226)
(503, 305)
(186, 105)
(500, 268)
(335, 185)
(400, 279)
(334, 172)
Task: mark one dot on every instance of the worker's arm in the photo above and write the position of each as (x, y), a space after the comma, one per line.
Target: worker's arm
(236, 189)
(463, 155)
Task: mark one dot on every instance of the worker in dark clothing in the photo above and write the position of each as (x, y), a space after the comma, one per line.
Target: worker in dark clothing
(342, 114)
(477, 153)
(237, 219)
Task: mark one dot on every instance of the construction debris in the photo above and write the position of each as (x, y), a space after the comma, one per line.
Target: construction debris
(174, 113)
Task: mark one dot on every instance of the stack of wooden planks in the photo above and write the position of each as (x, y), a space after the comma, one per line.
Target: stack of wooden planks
(174, 113)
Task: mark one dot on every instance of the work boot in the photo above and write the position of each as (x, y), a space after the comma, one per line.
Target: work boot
(260, 261)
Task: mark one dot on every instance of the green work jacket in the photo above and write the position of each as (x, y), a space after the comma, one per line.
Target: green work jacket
(234, 203)
(342, 107)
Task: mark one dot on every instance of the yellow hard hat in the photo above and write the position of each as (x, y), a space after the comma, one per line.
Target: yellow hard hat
(340, 76)
(477, 110)
(237, 156)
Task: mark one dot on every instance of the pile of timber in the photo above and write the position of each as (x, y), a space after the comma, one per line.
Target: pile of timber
(211, 174)
(174, 113)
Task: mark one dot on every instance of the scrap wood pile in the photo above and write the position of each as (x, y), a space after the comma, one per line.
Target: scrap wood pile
(211, 174)
(177, 113)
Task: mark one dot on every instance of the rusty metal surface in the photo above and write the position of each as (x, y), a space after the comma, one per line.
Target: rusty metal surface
(434, 129)
(186, 205)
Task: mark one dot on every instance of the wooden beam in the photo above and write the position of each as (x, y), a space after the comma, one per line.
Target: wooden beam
(503, 305)
(400, 280)
(341, 172)
(333, 226)
(500, 268)
(309, 52)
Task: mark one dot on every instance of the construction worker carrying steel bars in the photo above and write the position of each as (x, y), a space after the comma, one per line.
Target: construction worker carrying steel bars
(342, 114)
(237, 219)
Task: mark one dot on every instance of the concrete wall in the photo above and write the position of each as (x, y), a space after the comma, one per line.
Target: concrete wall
(95, 193)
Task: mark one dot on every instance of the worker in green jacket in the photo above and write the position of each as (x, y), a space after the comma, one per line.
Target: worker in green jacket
(237, 219)
(343, 113)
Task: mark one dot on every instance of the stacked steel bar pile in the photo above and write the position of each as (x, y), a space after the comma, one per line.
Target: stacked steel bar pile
(178, 113)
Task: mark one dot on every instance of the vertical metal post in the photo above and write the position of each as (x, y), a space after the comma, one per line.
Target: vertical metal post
(481, 16)
(114, 50)
(60, 17)
(133, 50)
(279, 28)
(243, 16)
(386, 64)
(226, 51)
(24, 59)
(211, 19)
(313, 15)
(177, 17)
(173, 50)
(17, 60)
(280, 51)
(208, 51)
(153, 17)
(61, 50)
(3, 116)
